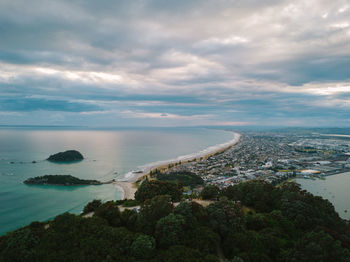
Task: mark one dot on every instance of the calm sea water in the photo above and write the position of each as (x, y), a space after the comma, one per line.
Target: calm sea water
(108, 154)
(334, 188)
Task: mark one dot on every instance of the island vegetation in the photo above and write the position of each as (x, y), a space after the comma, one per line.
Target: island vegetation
(67, 156)
(252, 221)
(65, 180)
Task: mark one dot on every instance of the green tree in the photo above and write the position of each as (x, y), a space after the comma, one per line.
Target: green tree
(151, 211)
(204, 239)
(301, 227)
(110, 212)
(73, 238)
(143, 247)
(225, 217)
(193, 213)
(129, 218)
(210, 192)
(184, 177)
(319, 246)
(308, 211)
(150, 189)
(92, 206)
(170, 230)
(180, 253)
(260, 195)
(19, 246)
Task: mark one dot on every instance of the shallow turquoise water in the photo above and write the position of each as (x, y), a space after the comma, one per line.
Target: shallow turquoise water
(108, 154)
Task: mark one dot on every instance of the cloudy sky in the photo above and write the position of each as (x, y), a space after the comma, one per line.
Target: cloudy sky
(170, 63)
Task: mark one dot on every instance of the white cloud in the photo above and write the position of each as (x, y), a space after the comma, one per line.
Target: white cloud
(340, 25)
(216, 41)
(343, 9)
(164, 116)
(331, 90)
(83, 76)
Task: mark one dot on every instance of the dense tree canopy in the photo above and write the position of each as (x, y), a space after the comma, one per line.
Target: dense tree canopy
(64, 180)
(308, 211)
(319, 246)
(210, 192)
(92, 206)
(193, 213)
(110, 212)
(259, 195)
(226, 217)
(294, 226)
(150, 189)
(170, 230)
(66, 156)
(184, 177)
(151, 211)
(143, 247)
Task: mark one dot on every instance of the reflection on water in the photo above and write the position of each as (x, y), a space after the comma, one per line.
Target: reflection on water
(108, 154)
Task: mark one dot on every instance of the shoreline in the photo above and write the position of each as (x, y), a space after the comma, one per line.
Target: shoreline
(333, 188)
(129, 185)
(128, 189)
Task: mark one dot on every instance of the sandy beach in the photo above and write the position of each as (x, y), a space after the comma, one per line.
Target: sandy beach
(129, 184)
(129, 189)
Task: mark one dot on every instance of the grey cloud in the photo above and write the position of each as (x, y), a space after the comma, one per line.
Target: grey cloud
(306, 69)
(230, 54)
(34, 104)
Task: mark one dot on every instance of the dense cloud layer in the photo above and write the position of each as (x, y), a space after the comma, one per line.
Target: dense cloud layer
(143, 62)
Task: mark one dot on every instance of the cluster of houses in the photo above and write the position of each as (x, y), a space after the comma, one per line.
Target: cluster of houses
(273, 157)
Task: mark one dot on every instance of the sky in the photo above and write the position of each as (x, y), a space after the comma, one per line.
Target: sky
(175, 63)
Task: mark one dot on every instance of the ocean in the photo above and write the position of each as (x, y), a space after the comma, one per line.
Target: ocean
(108, 154)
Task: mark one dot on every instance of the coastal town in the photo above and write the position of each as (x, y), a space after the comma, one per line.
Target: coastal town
(273, 157)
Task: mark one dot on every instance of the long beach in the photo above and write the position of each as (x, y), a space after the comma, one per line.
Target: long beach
(129, 183)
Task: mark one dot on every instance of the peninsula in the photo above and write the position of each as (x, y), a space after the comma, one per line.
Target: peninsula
(64, 180)
(67, 156)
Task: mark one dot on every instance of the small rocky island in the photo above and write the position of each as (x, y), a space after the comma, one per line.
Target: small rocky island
(67, 156)
(64, 180)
